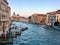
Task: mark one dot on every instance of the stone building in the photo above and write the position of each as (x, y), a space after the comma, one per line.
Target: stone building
(38, 18)
(17, 17)
(52, 17)
(5, 12)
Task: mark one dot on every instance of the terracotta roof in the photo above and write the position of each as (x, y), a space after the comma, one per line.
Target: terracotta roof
(58, 11)
(54, 12)
(39, 14)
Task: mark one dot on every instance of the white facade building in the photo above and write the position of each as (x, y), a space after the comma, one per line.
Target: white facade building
(52, 17)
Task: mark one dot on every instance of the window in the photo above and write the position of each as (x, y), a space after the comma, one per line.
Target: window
(3, 7)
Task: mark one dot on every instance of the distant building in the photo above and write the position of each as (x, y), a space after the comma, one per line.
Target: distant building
(5, 12)
(52, 17)
(17, 17)
(38, 18)
(23, 19)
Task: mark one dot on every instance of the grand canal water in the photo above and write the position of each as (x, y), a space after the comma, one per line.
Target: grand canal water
(37, 35)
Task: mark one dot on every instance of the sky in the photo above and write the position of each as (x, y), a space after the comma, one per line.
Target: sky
(28, 7)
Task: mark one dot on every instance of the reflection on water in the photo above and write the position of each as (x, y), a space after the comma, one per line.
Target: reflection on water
(37, 35)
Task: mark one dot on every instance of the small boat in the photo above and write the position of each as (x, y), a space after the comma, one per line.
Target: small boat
(56, 27)
(25, 28)
(13, 27)
(18, 33)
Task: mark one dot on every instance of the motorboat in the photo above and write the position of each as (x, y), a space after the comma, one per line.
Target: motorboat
(18, 33)
(25, 28)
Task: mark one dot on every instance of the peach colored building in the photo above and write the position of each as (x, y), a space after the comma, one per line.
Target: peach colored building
(38, 18)
(5, 12)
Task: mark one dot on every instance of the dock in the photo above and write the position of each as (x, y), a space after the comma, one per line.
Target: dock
(6, 42)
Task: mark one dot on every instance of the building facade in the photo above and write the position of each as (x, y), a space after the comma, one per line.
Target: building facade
(52, 17)
(38, 18)
(5, 12)
(17, 17)
(23, 19)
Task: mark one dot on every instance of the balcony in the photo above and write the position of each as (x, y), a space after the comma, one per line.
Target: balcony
(4, 20)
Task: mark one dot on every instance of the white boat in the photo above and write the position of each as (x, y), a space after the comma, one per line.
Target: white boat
(13, 26)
